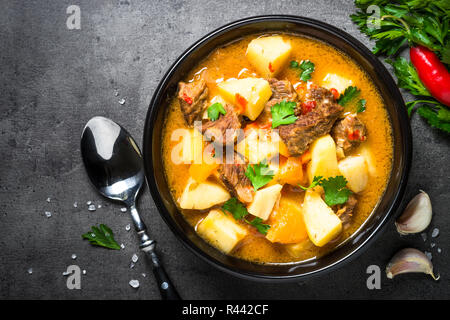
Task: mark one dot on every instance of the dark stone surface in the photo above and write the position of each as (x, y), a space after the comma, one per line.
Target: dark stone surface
(54, 79)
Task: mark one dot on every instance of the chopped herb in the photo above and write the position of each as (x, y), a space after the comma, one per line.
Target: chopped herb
(283, 113)
(259, 225)
(407, 77)
(102, 236)
(214, 110)
(236, 208)
(361, 105)
(349, 94)
(314, 183)
(335, 189)
(259, 174)
(437, 117)
(239, 212)
(306, 68)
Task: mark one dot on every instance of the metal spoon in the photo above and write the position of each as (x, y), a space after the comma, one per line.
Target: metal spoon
(114, 164)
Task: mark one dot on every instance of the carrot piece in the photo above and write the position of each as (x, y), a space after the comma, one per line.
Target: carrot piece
(291, 172)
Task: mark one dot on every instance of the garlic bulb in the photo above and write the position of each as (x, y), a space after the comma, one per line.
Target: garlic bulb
(417, 215)
(409, 260)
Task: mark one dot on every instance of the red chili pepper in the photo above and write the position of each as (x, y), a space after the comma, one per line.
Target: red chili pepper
(355, 135)
(187, 99)
(335, 93)
(432, 72)
(241, 103)
(271, 69)
(308, 106)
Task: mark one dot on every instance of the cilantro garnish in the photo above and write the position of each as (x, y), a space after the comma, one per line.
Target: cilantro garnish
(437, 117)
(259, 225)
(407, 77)
(214, 110)
(259, 174)
(236, 208)
(102, 236)
(239, 212)
(314, 183)
(306, 68)
(361, 105)
(335, 189)
(349, 94)
(283, 113)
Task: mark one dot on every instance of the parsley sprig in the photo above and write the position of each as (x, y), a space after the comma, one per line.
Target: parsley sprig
(259, 174)
(239, 212)
(283, 113)
(347, 99)
(102, 236)
(336, 191)
(214, 110)
(306, 67)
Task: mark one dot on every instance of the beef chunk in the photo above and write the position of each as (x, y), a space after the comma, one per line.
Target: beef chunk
(234, 178)
(193, 99)
(281, 90)
(348, 133)
(299, 135)
(225, 129)
(345, 213)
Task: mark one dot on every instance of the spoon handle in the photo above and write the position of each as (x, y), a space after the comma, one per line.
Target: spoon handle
(166, 288)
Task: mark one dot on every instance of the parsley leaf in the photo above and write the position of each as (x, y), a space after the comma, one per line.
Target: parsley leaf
(306, 67)
(236, 208)
(239, 212)
(349, 94)
(283, 113)
(214, 110)
(439, 119)
(102, 236)
(335, 189)
(361, 105)
(259, 174)
(314, 183)
(407, 77)
(259, 225)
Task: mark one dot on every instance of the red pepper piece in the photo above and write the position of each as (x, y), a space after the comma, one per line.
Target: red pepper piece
(308, 106)
(432, 72)
(335, 93)
(271, 69)
(187, 99)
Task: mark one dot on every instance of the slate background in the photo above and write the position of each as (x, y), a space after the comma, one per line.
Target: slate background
(53, 80)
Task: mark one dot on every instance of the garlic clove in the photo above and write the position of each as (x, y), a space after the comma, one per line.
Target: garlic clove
(409, 260)
(417, 215)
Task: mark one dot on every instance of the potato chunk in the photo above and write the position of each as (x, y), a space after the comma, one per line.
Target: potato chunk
(200, 196)
(248, 95)
(268, 55)
(365, 150)
(336, 81)
(323, 158)
(259, 145)
(354, 169)
(264, 201)
(190, 148)
(222, 231)
(322, 224)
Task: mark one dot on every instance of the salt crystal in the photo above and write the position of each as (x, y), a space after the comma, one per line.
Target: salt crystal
(48, 214)
(132, 265)
(48, 199)
(122, 246)
(134, 258)
(89, 203)
(116, 93)
(74, 256)
(84, 272)
(429, 255)
(30, 271)
(127, 227)
(99, 206)
(439, 250)
(75, 204)
(91, 207)
(122, 101)
(134, 283)
(432, 244)
(144, 275)
(435, 232)
(65, 273)
(424, 236)
(123, 209)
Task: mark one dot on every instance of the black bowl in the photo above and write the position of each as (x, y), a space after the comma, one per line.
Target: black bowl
(297, 25)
